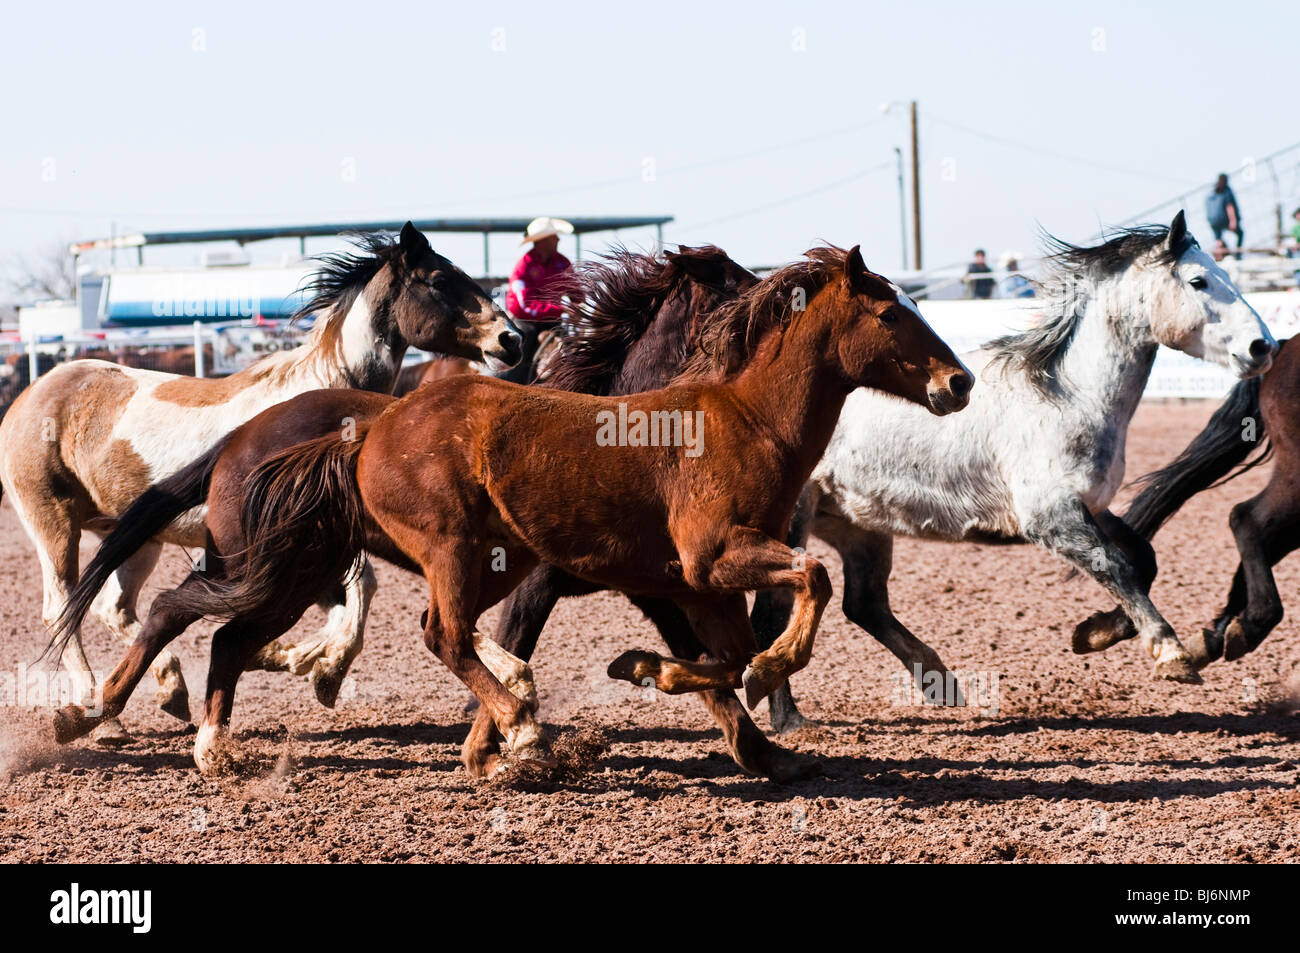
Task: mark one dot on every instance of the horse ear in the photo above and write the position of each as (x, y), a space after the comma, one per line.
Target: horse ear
(855, 269)
(1178, 230)
(703, 268)
(863, 279)
(412, 242)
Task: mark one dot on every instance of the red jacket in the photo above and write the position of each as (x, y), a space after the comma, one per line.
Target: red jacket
(530, 282)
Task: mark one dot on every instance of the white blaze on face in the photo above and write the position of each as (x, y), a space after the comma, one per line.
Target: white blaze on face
(906, 301)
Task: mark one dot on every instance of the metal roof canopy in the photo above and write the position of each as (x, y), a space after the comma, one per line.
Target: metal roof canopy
(477, 226)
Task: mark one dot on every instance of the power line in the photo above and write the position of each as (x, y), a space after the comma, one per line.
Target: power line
(460, 203)
(1050, 153)
(789, 199)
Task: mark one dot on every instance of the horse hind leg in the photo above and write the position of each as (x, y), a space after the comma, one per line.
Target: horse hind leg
(1265, 530)
(328, 656)
(344, 634)
(115, 607)
(519, 627)
(233, 645)
(454, 600)
(162, 626)
(56, 533)
(868, 560)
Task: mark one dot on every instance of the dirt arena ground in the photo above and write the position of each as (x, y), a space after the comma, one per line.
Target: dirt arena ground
(1085, 759)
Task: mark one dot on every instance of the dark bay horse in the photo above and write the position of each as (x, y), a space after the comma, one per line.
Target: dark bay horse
(640, 311)
(1260, 416)
(472, 479)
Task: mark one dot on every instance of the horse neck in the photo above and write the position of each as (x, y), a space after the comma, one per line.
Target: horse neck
(363, 351)
(655, 357)
(1109, 359)
(792, 393)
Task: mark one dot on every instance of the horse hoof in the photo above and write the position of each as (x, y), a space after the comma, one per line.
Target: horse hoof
(787, 723)
(327, 684)
(790, 766)
(70, 723)
(537, 756)
(110, 734)
(484, 767)
(1178, 669)
(1201, 648)
(758, 685)
(1100, 631)
(1235, 644)
(634, 666)
(176, 703)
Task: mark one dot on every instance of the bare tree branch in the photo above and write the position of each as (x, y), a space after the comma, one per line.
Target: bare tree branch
(49, 274)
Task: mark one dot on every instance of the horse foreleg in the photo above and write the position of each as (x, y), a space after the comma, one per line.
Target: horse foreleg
(748, 560)
(1103, 629)
(1069, 530)
(682, 630)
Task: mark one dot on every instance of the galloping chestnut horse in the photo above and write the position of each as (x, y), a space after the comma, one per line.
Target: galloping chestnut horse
(87, 438)
(1263, 414)
(473, 479)
(637, 324)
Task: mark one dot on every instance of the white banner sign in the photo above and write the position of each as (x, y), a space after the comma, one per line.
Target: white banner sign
(966, 325)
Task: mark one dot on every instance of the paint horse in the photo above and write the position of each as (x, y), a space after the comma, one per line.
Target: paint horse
(1039, 455)
(89, 437)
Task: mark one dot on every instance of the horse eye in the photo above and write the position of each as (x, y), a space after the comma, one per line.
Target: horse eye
(1199, 283)
(888, 316)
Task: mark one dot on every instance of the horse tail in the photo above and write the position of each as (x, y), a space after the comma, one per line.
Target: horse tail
(144, 519)
(1207, 461)
(302, 515)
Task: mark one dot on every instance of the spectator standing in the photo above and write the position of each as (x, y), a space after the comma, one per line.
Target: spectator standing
(1223, 212)
(980, 287)
(1014, 285)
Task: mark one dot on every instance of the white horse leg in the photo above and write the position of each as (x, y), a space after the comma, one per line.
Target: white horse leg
(115, 607)
(1070, 530)
(57, 535)
(329, 655)
(57, 585)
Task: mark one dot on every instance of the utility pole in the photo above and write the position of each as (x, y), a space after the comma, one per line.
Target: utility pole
(916, 191)
(902, 207)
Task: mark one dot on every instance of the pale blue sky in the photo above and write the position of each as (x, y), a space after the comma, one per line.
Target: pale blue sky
(148, 132)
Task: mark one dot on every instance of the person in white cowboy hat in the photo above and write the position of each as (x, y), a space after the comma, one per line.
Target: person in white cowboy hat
(530, 299)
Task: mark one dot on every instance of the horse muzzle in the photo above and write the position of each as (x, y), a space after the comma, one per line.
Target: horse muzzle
(953, 395)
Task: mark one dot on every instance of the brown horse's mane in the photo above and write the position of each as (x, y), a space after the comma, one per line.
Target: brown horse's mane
(618, 296)
(727, 336)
